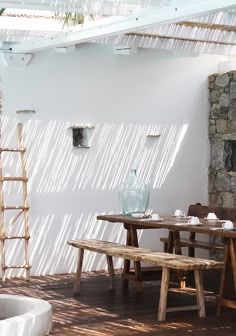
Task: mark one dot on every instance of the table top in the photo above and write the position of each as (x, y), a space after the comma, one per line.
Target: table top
(172, 223)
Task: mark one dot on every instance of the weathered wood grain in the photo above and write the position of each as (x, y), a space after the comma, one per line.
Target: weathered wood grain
(173, 261)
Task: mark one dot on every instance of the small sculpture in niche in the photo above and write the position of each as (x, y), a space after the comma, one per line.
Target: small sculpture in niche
(78, 137)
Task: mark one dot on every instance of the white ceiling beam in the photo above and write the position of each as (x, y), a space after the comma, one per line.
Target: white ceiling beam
(176, 11)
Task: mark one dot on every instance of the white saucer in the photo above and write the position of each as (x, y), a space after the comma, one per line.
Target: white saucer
(212, 220)
(188, 224)
(137, 215)
(154, 220)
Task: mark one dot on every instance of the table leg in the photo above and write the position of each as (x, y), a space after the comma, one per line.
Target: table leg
(132, 240)
(178, 250)
(126, 270)
(233, 260)
(170, 247)
(191, 250)
(229, 265)
(137, 265)
(176, 237)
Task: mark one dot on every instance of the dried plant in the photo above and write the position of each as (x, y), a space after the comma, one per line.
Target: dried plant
(72, 19)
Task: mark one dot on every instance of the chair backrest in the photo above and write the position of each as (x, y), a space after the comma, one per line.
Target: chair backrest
(201, 211)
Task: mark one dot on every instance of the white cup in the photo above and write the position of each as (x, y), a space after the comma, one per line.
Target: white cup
(179, 213)
(211, 215)
(228, 225)
(155, 216)
(194, 220)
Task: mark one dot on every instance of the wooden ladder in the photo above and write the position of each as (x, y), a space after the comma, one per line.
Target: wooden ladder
(18, 210)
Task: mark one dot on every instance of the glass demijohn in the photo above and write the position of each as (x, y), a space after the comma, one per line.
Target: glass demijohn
(133, 194)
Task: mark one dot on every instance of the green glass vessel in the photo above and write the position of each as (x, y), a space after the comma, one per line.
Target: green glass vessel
(133, 195)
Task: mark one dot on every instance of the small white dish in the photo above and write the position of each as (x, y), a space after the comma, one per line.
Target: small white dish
(137, 215)
(212, 220)
(154, 219)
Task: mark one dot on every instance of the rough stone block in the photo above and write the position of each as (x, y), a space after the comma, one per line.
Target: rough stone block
(232, 110)
(218, 199)
(212, 130)
(232, 125)
(215, 108)
(224, 100)
(221, 126)
(231, 74)
(222, 80)
(211, 184)
(211, 78)
(214, 96)
(217, 155)
(232, 90)
(212, 199)
(218, 112)
(227, 199)
(233, 184)
(223, 182)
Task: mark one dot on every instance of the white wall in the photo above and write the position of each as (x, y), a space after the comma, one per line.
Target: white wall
(125, 98)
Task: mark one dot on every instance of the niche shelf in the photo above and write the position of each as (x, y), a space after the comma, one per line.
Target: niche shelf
(81, 135)
(153, 135)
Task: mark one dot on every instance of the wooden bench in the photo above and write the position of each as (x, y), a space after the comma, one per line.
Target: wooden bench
(167, 261)
(202, 211)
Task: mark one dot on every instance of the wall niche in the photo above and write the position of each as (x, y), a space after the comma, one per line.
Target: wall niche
(81, 136)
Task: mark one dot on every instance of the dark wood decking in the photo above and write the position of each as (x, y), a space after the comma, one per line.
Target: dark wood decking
(100, 312)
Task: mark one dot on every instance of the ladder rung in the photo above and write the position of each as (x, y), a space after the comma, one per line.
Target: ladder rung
(15, 237)
(16, 207)
(22, 150)
(17, 266)
(7, 178)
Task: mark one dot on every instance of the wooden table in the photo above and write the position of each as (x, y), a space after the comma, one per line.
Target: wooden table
(175, 225)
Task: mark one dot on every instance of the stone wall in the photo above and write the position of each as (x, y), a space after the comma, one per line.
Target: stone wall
(222, 136)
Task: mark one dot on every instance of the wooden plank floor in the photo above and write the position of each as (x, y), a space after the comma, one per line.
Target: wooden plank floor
(100, 312)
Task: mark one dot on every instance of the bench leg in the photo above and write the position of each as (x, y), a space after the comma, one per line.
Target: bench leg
(200, 293)
(79, 270)
(111, 272)
(163, 294)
